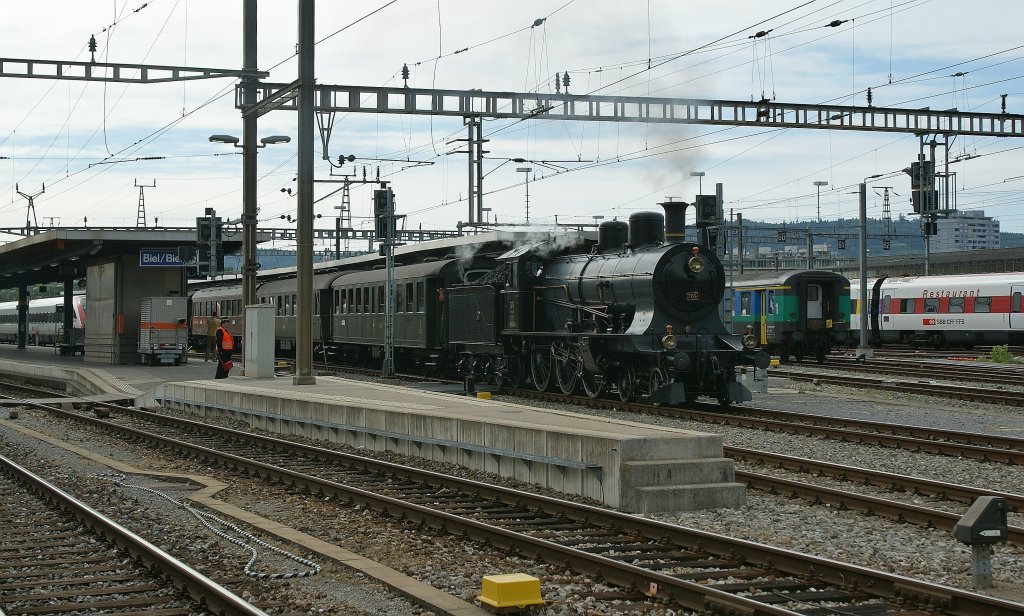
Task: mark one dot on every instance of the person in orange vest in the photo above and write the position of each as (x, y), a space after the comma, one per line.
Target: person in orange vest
(225, 347)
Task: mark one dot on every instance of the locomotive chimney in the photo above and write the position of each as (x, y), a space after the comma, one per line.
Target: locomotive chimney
(675, 221)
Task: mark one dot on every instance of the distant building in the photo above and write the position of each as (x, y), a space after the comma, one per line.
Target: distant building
(968, 230)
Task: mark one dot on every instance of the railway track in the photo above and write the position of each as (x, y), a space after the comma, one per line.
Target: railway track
(57, 555)
(957, 392)
(669, 565)
(999, 374)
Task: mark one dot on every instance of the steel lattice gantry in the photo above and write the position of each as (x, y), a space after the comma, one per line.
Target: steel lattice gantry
(519, 105)
(113, 72)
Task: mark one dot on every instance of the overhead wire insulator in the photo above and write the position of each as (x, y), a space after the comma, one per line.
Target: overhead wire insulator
(565, 81)
(92, 47)
(558, 83)
(405, 74)
(869, 97)
(835, 23)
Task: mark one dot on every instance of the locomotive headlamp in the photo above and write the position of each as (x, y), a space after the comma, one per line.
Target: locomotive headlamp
(696, 264)
(749, 341)
(669, 341)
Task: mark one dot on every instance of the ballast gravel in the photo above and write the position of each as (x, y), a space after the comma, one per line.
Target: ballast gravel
(456, 566)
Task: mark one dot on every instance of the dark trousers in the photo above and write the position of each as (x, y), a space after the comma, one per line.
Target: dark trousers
(221, 372)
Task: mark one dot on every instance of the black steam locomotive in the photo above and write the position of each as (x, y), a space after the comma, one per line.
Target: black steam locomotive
(635, 315)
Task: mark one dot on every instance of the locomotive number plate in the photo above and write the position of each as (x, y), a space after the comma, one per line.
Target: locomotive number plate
(692, 296)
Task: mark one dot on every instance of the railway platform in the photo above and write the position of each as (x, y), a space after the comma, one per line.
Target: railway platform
(631, 466)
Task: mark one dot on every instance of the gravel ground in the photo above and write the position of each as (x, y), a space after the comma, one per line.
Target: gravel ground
(446, 562)
(457, 566)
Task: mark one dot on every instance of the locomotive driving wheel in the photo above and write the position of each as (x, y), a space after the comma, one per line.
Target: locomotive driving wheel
(626, 383)
(540, 367)
(567, 367)
(593, 384)
(655, 380)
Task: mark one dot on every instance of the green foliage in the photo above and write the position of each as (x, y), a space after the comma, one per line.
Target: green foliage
(1001, 354)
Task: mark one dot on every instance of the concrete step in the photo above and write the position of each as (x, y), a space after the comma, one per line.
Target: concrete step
(653, 499)
(677, 472)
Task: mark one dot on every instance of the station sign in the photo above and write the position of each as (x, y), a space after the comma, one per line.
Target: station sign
(160, 257)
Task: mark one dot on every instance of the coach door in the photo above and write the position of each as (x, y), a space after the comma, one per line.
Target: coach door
(814, 299)
(1016, 309)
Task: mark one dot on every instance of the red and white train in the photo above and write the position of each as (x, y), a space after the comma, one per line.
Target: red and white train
(46, 323)
(942, 311)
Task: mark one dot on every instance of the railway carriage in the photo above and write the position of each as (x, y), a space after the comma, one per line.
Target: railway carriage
(794, 314)
(943, 311)
(46, 323)
(420, 324)
(225, 300)
(283, 295)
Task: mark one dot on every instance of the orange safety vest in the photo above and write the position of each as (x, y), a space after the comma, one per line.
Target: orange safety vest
(228, 342)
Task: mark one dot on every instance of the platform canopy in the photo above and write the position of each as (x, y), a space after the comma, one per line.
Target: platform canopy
(52, 254)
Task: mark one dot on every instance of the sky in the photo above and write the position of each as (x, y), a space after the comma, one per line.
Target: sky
(91, 143)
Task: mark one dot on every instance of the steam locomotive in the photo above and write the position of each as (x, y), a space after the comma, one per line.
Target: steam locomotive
(634, 314)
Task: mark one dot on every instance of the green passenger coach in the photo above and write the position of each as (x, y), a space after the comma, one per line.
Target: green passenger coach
(793, 313)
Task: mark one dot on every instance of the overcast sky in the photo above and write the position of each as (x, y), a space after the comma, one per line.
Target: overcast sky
(83, 139)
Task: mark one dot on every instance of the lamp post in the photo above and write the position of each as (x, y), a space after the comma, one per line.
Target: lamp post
(863, 350)
(527, 171)
(249, 212)
(700, 179)
(819, 184)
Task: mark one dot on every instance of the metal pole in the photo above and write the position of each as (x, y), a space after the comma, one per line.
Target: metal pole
(249, 156)
(863, 350)
(471, 195)
(388, 368)
(739, 238)
(927, 242)
(480, 170)
(304, 235)
(810, 250)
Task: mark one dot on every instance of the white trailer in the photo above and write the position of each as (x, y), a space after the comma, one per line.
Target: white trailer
(163, 330)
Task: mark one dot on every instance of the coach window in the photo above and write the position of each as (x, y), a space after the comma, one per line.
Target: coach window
(983, 304)
(885, 304)
(359, 299)
(812, 293)
(956, 304)
(745, 302)
(410, 299)
(366, 299)
(1015, 302)
(294, 302)
(399, 297)
(907, 306)
(931, 305)
(421, 301)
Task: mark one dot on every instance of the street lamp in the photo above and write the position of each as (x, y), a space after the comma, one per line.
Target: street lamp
(487, 214)
(264, 142)
(527, 171)
(700, 179)
(819, 184)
